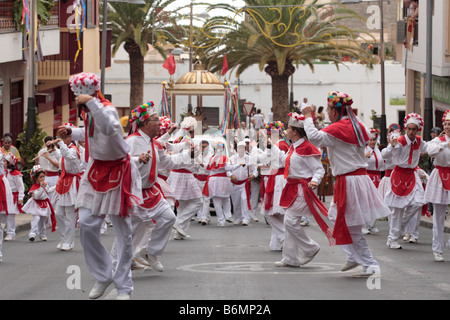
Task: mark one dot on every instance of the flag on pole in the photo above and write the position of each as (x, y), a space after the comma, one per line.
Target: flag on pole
(225, 65)
(170, 64)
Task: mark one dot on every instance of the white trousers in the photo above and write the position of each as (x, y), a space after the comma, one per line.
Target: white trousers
(152, 235)
(66, 219)
(11, 225)
(186, 210)
(222, 205)
(2, 220)
(276, 222)
(296, 241)
(98, 259)
(399, 219)
(255, 188)
(38, 227)
(240, 207)
(439, 211)
(359, 251)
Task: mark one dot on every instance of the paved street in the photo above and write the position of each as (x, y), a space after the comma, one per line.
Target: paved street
(229, 263)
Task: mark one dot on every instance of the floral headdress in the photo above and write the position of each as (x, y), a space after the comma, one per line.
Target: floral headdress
(415, 119)
(35, 171)
(85, 83)
(188, 124)
(296, 120)
(277, 125)
(374, 132)
(344, 101)
(165, 125)
(395, 134)
(140, 114)
(446, 116)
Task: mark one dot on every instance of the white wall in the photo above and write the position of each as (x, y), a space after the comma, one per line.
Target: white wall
(362, 83)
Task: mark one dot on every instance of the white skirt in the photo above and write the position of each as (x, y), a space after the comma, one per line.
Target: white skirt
(9, 197)
(184, 186)
(219, 187)
(364, 204)
(67, 199)
(415, 198)
(33, 208)
(434, 191)
(280, 182)
(167, 190)
(385, 186)
(106, 203)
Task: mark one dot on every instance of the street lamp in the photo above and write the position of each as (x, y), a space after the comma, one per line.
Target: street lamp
(104, 36)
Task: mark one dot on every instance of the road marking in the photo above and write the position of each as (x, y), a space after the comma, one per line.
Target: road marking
(260, 267)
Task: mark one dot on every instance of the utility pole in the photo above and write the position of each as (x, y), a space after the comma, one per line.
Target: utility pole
(31, 103)
(383, 125)
(428, 116)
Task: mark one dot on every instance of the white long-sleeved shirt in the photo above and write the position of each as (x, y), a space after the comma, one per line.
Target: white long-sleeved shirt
(400, 154)
(300, 167)
(372, 162)
(141, 144)
(344, 157)
(440, 151)
(72, 161)
(240, 172)
(107, 143)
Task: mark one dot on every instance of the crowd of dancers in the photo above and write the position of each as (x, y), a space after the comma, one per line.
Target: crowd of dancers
(153, 183)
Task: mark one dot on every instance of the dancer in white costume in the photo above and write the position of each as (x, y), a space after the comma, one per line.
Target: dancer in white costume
(6, 199)
(110, 186)
(241, 175)
(155, 212)
(405, 196)
(183, 183)
(438, 188)
(355, 199)
(15, 180)
(273, 188)
(66, 190)
(303, 171)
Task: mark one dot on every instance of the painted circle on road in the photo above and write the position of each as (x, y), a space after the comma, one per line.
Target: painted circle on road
(260, 267)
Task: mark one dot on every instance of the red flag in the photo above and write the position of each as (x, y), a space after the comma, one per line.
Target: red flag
(170, 64)
(225, 65)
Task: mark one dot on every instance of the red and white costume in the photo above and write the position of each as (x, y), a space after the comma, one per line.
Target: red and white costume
(406, 195)
(438, 188)
(240, 190)
(202, 176)
(110, 186)
(15, 180)
(40, 207)
(271, 194)
(375, 165)
(6, 199)
(66, 192)
(386, 154)
(355, 201)
(155, 208)
(184, 184)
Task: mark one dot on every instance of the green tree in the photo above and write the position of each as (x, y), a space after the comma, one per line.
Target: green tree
(137, 27)
(279, 35)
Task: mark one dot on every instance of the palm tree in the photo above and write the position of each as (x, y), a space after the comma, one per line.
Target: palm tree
(278, 35)
(137, 26)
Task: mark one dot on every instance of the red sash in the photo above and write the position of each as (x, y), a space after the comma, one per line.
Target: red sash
(163, 177)
(270, 188)
(16, 201)
(3, 202)
(444, 174)
(388, 173)
(108, 175)
(375, 176)
(205, 190)
(45, 204)
(247, 190)
(340, 232)
(181, 171)
(403, 181)
(51, 173)
(201, 177)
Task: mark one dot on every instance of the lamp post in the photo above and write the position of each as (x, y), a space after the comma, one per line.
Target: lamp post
(383, 129)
